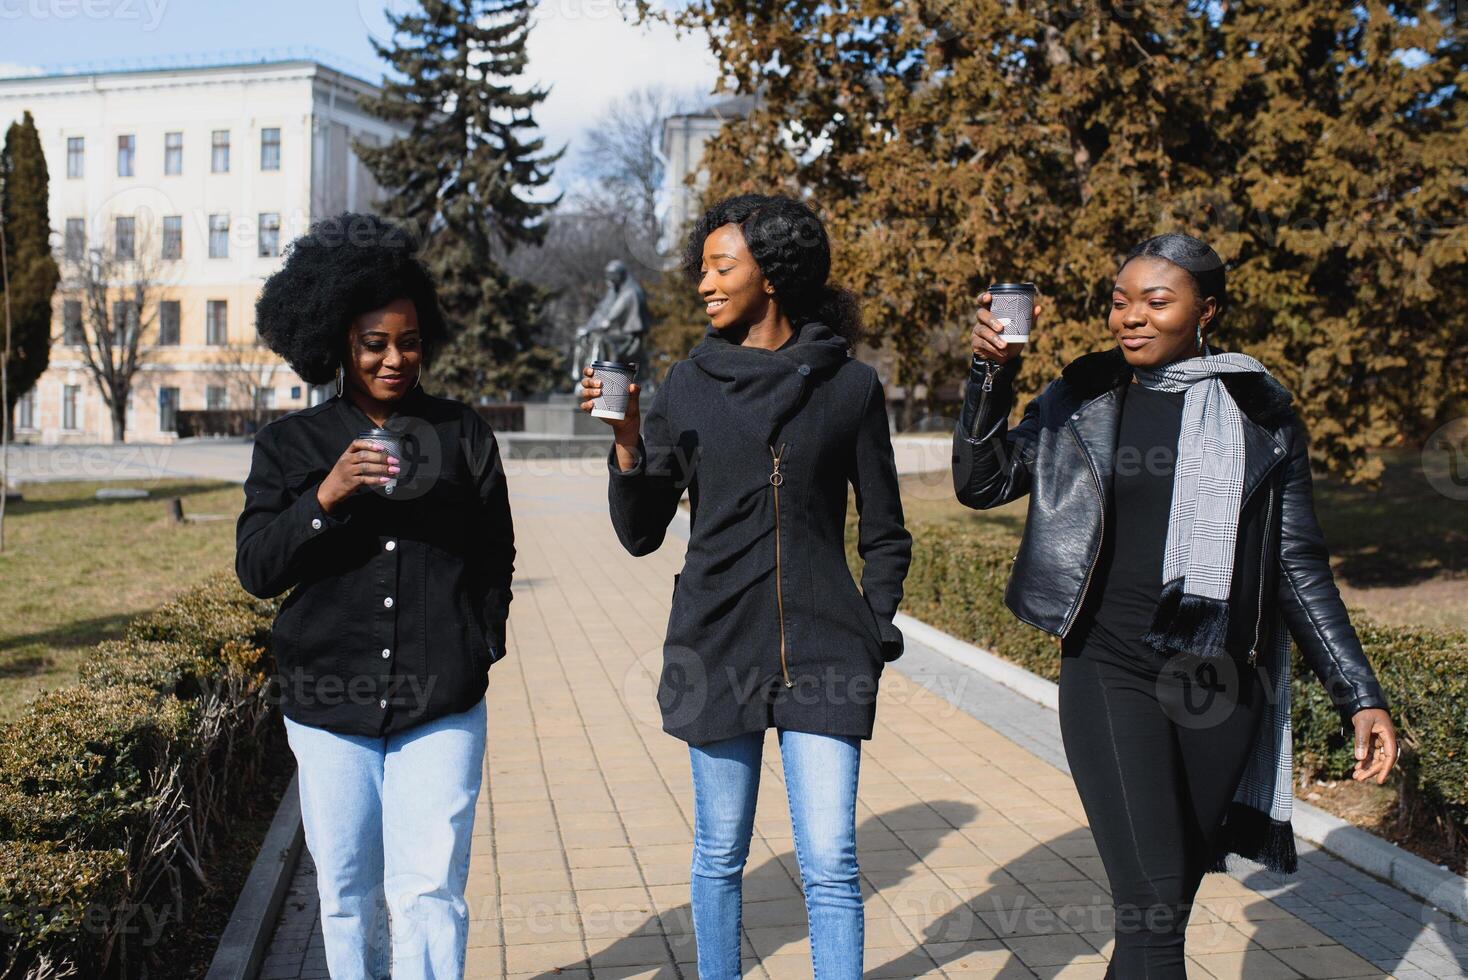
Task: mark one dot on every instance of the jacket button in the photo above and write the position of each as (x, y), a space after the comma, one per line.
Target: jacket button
(386, 652)
(804, 369)
(387, 602)
(1075, 416)
(1277, 450)
(390, 545)
(382, 703)
(316, 523)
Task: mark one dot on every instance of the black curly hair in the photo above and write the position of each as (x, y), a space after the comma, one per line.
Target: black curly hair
(341, 268)
(789, 244)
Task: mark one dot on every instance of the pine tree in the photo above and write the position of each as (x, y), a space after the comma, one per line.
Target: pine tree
(458, 179)
(33, 274)
(1320, 148)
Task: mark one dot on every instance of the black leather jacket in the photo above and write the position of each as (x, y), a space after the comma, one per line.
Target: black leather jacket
(1061, 454)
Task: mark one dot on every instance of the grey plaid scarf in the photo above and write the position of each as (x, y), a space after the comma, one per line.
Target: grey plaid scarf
(1207, 487)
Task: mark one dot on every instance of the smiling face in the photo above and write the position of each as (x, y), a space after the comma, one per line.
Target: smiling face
(385, 351)
(1155, 312)
(734, 291)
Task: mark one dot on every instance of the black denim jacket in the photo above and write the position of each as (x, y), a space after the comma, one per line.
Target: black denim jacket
(398, 602)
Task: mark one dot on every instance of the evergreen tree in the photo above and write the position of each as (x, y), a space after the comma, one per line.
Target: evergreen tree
(32, 270)
(458, 180)
(1321, 148)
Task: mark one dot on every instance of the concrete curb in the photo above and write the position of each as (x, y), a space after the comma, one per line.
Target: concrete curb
(252, 923)
(1416, 876)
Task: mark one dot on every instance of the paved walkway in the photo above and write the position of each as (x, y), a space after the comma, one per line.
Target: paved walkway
(975, 857)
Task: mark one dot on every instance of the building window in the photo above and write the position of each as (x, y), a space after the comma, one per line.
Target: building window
(126, 146)
(264, 397)
(172, 236)
(76, 239)
(25, 410)
(270, 149)
(123, 238)
(216, 322)
(269, 235)
(219, 155)
(168, 323)
(173, 154)
(76, 156)
(295, 393)
(167, 409)
(215, 398)
(124, 323)
(71, 322)
(69, 397)
(219, 236)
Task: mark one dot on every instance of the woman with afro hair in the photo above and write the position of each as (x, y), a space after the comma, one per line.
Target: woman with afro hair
(399, 569)
(766, 424)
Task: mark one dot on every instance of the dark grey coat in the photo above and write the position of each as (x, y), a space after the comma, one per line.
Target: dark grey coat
(715, 426)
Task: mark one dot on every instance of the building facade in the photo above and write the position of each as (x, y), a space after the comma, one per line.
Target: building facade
(203, 175)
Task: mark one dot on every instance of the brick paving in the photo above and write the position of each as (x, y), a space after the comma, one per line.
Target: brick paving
(975, 858)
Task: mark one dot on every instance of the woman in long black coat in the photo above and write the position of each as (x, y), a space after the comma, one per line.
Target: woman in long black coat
(766, 424)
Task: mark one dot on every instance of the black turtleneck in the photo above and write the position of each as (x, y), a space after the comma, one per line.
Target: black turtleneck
(1127, 581)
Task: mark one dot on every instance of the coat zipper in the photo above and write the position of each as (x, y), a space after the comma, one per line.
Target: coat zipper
(987, 387)
(776, 479)
(1101, 495)
(1263, 556)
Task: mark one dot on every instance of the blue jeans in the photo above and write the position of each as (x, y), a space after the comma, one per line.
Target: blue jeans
(388, 822)
(820, 785)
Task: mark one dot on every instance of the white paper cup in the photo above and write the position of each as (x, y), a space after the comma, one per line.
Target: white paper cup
(614, 376)
(1013, 305)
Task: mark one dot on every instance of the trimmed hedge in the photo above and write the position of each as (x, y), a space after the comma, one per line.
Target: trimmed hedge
(956, 583)
(113, 791)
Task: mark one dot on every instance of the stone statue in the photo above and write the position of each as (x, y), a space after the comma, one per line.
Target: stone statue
(617, 328)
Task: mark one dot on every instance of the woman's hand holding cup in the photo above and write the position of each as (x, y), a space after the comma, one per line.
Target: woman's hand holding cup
(362, 464)
(986, 337)
(624, 430)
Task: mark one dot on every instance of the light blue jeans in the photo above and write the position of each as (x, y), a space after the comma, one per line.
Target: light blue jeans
(388, 822)
(820, 784)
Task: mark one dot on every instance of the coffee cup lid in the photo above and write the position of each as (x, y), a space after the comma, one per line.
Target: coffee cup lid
(1013, 287)
(630, 366)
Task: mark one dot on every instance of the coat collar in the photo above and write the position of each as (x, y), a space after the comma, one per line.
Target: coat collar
(353, 420)
(1261, 398)
(1099, 380)
(763, 388)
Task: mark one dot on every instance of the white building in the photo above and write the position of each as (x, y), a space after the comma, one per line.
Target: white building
(216, 168)
(682, 146)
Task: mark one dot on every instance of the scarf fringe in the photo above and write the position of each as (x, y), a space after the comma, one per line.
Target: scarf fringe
(1253, 834)
(1188, 623)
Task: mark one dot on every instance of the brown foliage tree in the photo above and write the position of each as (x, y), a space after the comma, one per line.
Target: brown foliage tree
(1321, 149)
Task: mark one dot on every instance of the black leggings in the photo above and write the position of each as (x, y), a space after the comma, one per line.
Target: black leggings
(1156, 747)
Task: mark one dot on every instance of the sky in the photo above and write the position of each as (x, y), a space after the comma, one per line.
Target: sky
(583, 50)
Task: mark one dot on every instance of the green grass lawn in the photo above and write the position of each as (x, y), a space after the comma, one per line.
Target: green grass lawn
(75, 569)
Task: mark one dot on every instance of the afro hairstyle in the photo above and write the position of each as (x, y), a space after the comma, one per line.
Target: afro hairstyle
(342, 267)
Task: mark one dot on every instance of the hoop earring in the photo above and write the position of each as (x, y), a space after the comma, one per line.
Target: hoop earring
(339, 376)
(418, 381)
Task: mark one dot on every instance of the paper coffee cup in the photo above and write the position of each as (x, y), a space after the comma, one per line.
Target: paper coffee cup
(614, 376)
(392, 444)
(1013, 305)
